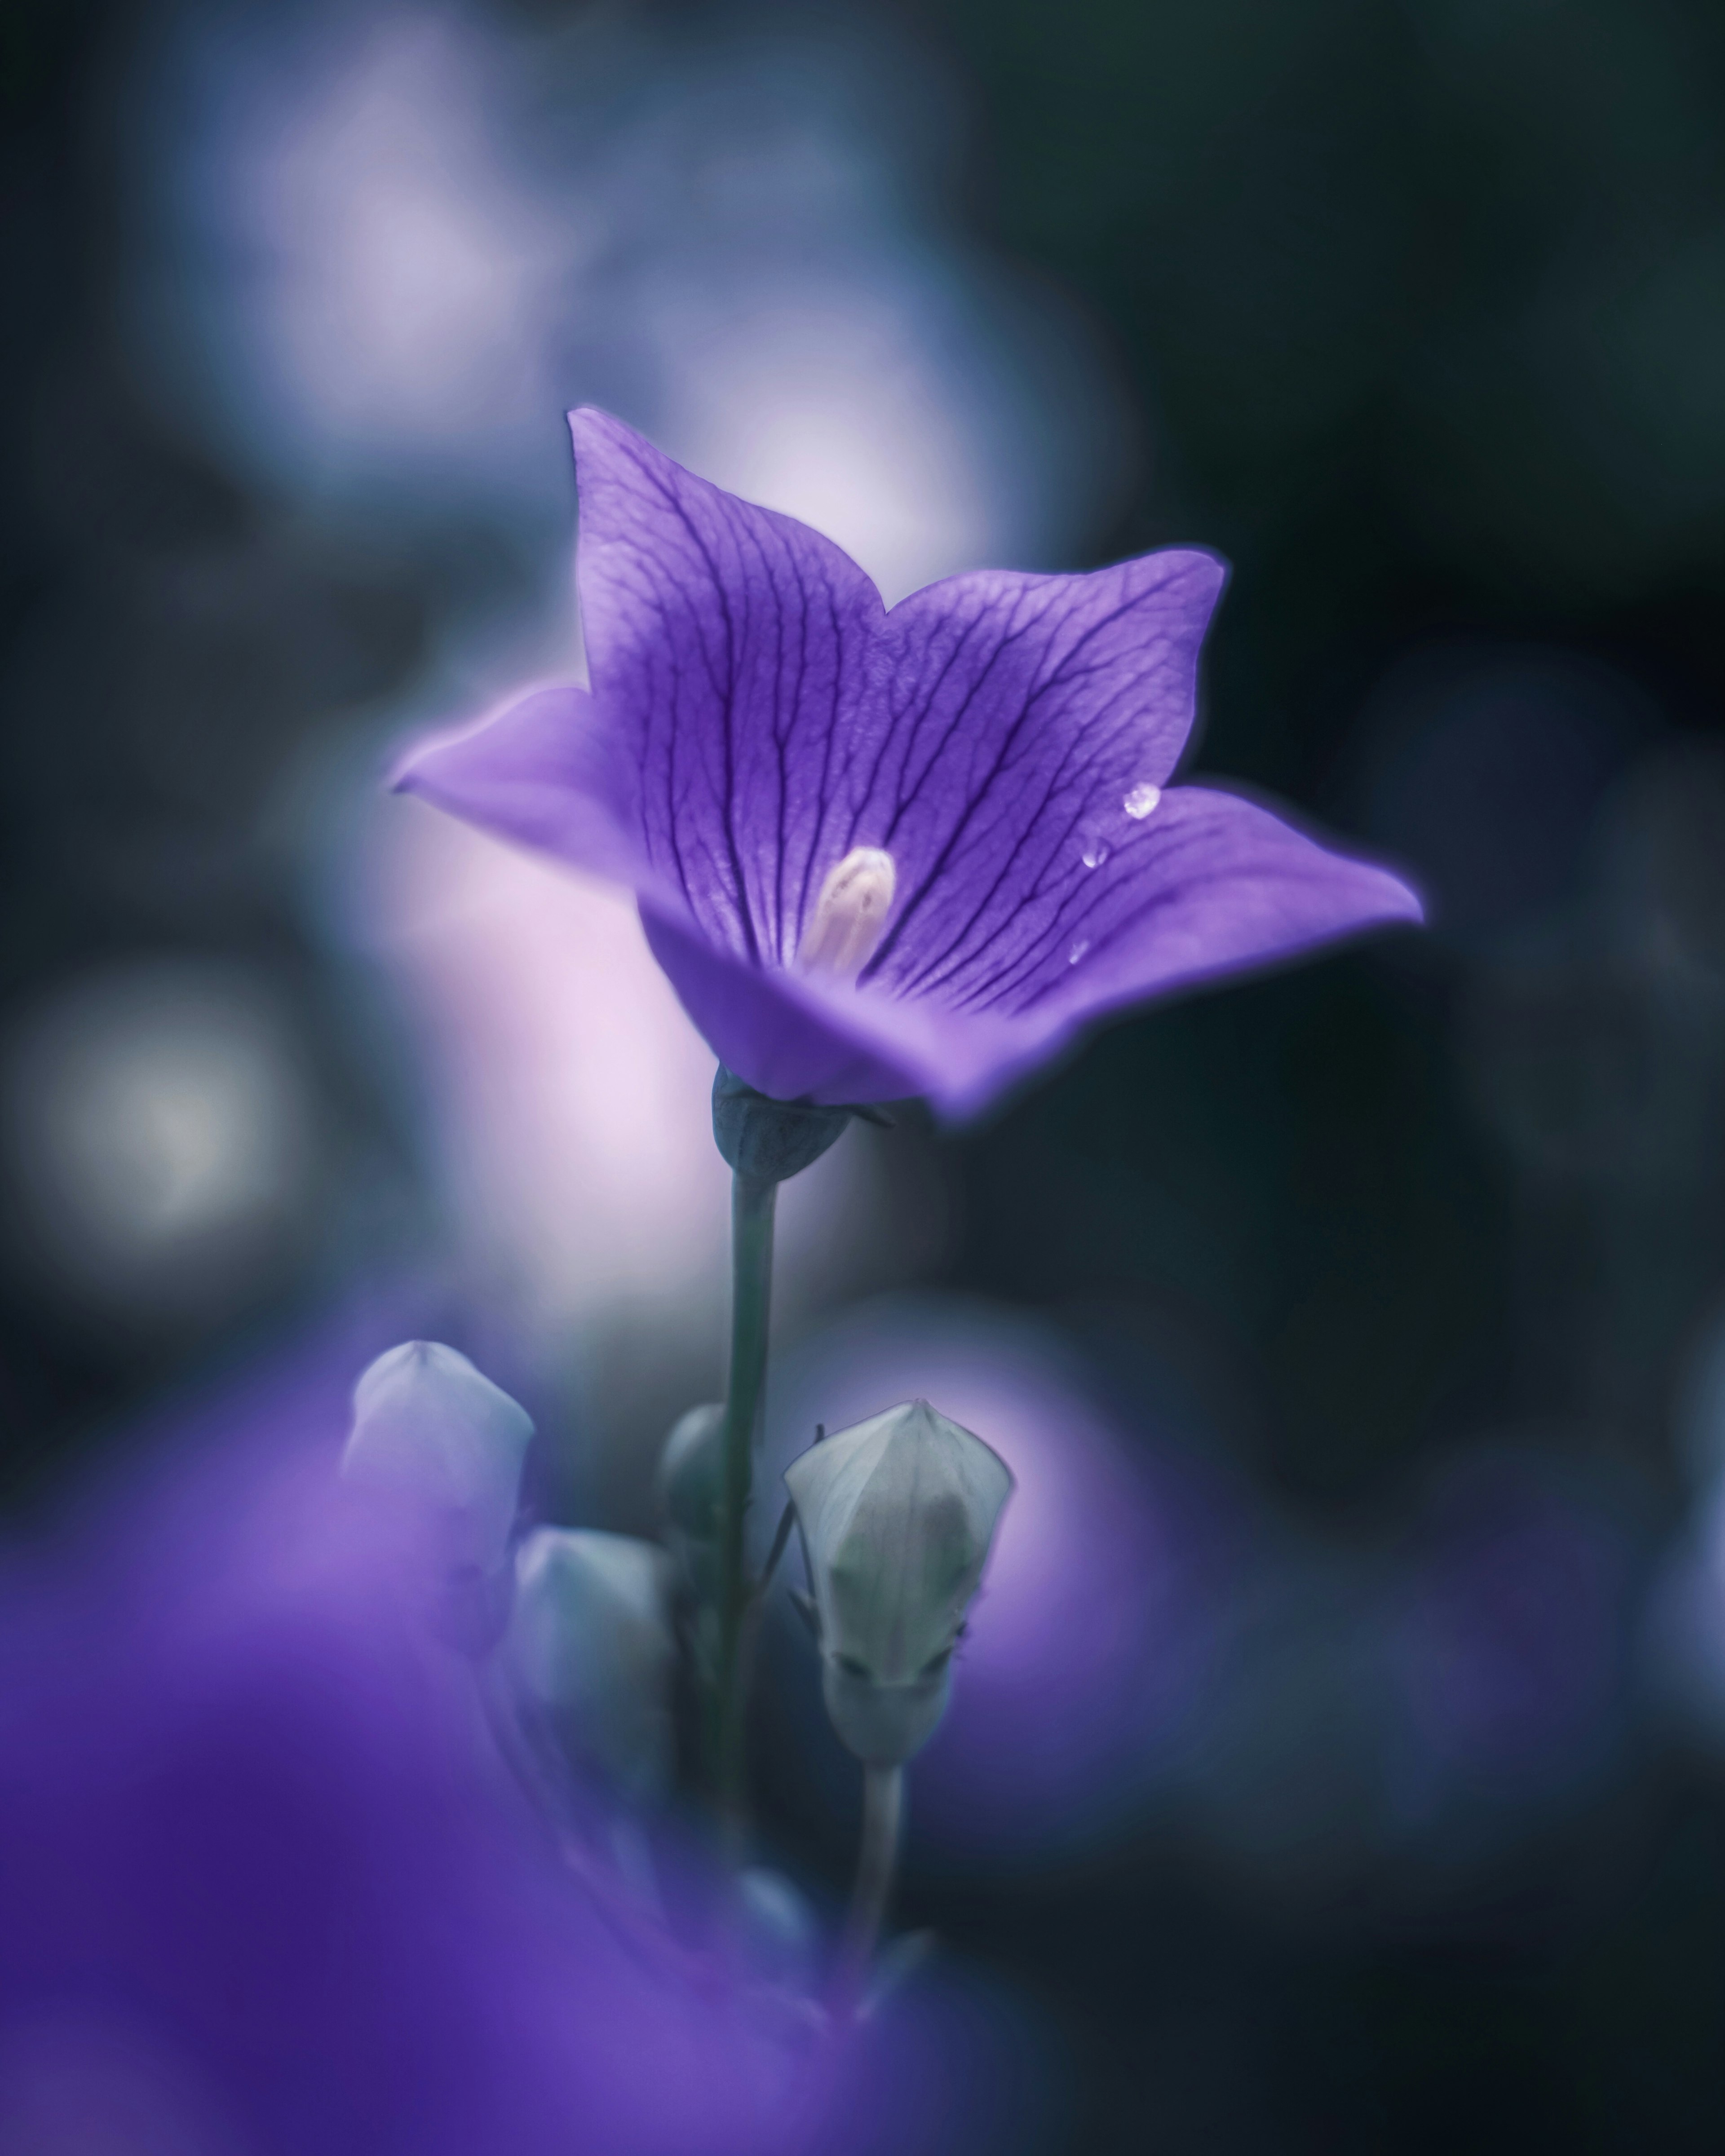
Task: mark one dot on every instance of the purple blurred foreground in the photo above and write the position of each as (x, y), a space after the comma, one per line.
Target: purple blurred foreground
(265, 1888)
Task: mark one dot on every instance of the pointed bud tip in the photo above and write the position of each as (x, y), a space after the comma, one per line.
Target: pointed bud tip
(433, 1432)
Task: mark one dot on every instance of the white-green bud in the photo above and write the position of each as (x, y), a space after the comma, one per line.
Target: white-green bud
(897, 1516)
(443, 1445)
(592, 1654)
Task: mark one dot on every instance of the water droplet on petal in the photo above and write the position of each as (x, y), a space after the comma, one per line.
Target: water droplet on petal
(1142, 798)
(1078, 951)
(1095, 852)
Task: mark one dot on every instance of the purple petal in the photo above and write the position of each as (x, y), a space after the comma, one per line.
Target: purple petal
(801, 1038)
(756, 716)
(728, 648)
(773, 717)
(1016, 717)
(1208, 884)
(539, 772)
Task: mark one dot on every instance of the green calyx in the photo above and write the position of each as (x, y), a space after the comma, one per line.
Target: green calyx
(770, 1141)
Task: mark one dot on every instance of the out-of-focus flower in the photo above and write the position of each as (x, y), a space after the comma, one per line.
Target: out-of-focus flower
(897, 1516)
(447, 219)
(886, 853)
(427, 1423)
(163, 1140)
(268, 1892)
(591, 1654)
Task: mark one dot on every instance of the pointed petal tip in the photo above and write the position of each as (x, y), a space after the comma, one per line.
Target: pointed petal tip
(1402, 902)
(1219, 568)
(592, 431)
(414, 770)
(591, 424)
(403, 776)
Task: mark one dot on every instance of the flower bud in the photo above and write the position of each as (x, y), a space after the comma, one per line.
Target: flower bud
(897, 1516)
(691, 1489)
(692, 1472)
(591, 1654)
(445, 1446)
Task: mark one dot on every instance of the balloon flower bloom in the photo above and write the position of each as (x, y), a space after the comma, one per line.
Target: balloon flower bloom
(885, 852)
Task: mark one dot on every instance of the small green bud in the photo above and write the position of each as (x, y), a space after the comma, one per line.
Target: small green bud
(691, 1491)
(897, 1516)
(692, 1472)
(592, 1654)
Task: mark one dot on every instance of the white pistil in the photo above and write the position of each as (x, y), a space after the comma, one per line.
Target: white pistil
(850, 915)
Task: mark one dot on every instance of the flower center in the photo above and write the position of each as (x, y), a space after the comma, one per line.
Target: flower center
(850, 914)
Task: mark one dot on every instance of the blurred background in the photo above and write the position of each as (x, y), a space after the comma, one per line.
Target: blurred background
(1338, 1762)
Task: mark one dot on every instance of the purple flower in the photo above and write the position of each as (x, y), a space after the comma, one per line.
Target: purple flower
(882, 853)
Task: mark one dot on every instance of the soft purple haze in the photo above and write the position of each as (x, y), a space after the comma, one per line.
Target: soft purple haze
(1506, 1634)
(265, 1889)
(756, 715)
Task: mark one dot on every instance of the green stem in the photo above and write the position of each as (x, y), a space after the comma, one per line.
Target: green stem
(752, 1209)
(877, 1860)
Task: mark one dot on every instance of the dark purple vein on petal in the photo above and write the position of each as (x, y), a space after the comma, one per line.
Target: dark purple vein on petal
(728, 703)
